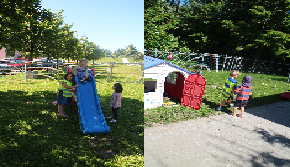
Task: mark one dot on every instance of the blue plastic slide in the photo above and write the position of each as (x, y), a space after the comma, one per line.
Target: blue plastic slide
(92, 121)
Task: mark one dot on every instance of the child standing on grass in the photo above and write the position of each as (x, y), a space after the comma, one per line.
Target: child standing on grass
(82, 71)
(244, 91)
(228, 89)
(65, 93)
(116, 101)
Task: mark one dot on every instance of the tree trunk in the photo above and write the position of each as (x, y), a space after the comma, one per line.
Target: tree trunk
(31, 51)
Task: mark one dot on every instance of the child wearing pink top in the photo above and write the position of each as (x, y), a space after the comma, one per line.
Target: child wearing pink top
(116, 101)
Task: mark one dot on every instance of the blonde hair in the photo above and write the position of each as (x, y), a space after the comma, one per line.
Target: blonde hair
(87, 62)
(235, 72)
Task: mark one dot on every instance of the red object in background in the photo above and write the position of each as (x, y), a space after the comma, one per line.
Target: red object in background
(19, 65)
(285, 95)
(73, 90)
(193, 91)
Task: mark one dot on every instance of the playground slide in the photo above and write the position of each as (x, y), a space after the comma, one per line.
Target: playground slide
(92, 121)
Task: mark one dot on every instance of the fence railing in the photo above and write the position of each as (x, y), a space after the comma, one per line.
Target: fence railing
(223, 62)
(28, 69)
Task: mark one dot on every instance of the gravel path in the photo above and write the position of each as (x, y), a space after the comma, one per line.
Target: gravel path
(260, 139)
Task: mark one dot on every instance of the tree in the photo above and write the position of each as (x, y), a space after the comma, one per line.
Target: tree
(158, 19)
(33, 31)
(13, 20)
(255, 29)
(131, 51)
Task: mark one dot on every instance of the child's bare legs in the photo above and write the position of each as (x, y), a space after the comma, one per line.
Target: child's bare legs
(223, 102)
(242, 112)
(60, 109)
(229, 101)
(234, 111)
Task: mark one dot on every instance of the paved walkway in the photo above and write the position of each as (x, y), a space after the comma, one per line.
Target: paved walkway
(223, 140)
(125, 60)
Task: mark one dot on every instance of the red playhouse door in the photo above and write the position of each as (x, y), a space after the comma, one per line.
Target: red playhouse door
(193, 91)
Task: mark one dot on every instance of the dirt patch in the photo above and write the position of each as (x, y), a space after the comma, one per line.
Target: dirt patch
(107, 153)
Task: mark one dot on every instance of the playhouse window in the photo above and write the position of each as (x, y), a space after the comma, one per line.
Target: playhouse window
(171, 78)
(150, 86)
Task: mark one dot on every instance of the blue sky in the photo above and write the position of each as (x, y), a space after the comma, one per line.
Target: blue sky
(111, 24)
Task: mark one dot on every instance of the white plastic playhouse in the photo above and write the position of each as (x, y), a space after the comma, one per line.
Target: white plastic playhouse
(164, 76)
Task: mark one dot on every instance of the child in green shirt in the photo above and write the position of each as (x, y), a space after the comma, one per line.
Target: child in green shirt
(228, 89)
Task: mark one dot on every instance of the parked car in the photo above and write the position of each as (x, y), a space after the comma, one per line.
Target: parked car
(40, 63)
(20, 63)
(4, 67)
(52, 64)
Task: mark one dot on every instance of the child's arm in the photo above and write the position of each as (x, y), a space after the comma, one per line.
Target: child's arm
(68, 87)
(233, 89)
(236, 90)
(76, 68)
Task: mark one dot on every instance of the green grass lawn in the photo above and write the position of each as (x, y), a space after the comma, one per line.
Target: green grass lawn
(266, 89)
(33, 135)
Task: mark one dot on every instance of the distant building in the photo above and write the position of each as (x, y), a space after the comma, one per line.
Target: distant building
(3, 54)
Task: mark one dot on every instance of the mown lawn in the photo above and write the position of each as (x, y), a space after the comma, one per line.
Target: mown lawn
(33, 135)
(266, 89)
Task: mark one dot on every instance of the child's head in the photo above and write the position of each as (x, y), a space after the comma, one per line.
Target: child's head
(69, 77)
(83, 62)
(118, 87)
(235, 74)
(247, 81)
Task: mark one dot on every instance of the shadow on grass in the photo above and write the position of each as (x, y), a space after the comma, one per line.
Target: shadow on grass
(31, 131)
(126, 135)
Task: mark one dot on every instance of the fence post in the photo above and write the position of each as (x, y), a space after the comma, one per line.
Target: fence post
(202, 60)
(25, 72)
(141, 73)
(226, 62)
(222, 60)
(235, 62)
(108, 74)
(155, 52)
(216, 62)
(111, 65)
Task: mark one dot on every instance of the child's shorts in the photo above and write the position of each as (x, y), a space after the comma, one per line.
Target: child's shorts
(63, 100)
(240, 103)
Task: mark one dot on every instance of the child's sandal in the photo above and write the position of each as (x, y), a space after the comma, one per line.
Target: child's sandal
(62, 115)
